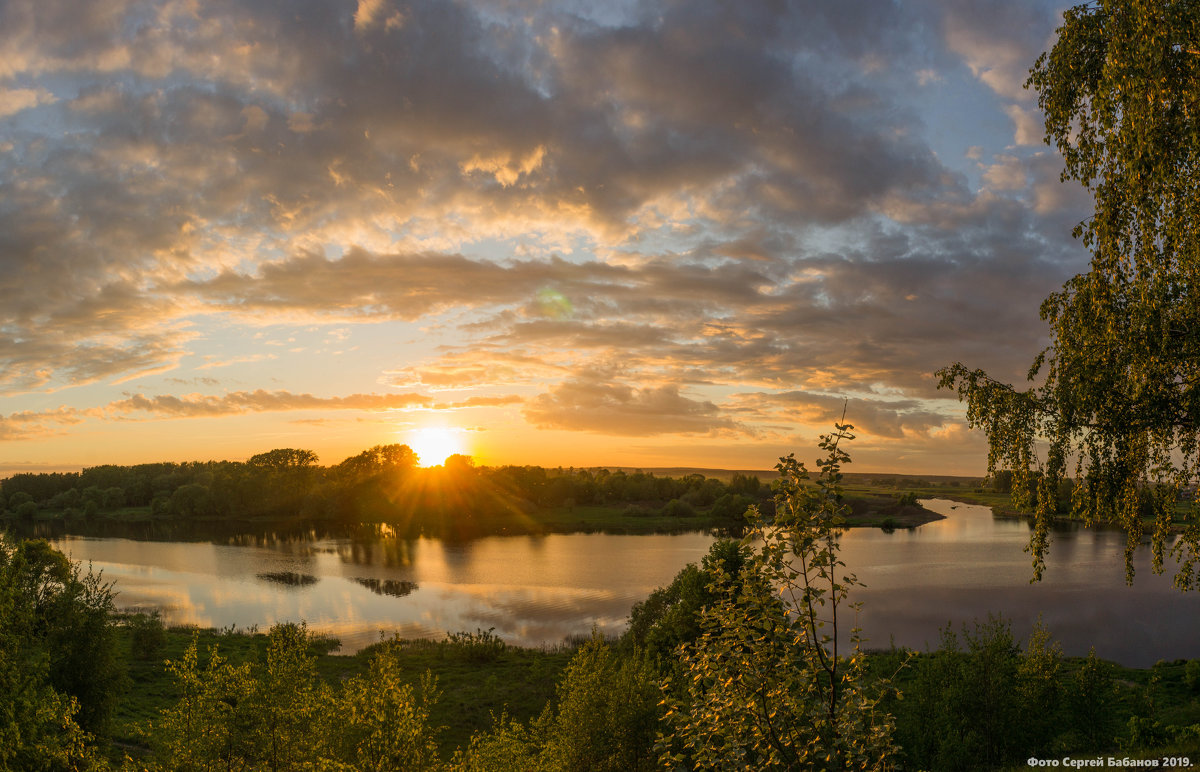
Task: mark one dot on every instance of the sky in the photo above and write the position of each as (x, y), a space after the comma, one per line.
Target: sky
(557, 233)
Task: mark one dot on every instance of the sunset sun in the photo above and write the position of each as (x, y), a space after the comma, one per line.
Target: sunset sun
(433, 444)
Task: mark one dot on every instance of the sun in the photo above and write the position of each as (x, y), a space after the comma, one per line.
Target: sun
(433, 444)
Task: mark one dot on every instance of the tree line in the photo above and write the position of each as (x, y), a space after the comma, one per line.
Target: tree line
(381, 484)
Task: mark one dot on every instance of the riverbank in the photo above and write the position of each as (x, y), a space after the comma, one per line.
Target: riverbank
(868, 509)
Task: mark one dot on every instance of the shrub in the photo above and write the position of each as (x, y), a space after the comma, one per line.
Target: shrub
(1191, 674)
(605, 721)
(479, 646)
(981, 704)
(678, 508)
(670, 616)
(147, 634)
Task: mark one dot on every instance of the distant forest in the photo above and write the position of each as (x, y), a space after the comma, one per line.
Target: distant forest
(379, 485)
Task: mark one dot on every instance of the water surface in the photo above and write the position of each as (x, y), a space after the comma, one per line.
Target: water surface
(537, 590)
(973, 563)
(533, 590)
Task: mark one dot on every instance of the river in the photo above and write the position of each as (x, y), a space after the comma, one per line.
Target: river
(536, 590)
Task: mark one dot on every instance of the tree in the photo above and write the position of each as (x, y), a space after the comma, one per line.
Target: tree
(59, 669)
(1118, 409)
(282, 459)
(605, 720)
(983, 704)
(773, 682)
(381, 458)
(278, 714)
(380, 723)
(607, 713)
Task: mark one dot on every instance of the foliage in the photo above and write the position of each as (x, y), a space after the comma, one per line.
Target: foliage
(479, 646)
(605, 721)
(60, 619)
(670, 616)
(607, 712)
(1191, 674)
(678, 508)
(981, 705)
(378, 723)
(39, 729)
(1091, 703)
(1119, 406)
(769, 684)
(277, 714)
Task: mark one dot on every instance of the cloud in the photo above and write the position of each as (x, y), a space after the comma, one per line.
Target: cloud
(27, 424)
(257, 401)
(14, 100)
(619, 409)
(1028, 125)
(998, 40)
(882, 418)
(1007, 173)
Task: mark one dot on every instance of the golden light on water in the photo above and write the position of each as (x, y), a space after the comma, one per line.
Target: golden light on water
(434, 444)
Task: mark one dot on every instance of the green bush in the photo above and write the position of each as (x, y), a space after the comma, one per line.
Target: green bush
(1191, 674)
(278, 714)
(671, 615)
(60, 675)
(981, 704)
(479, 646)
(678, 508)
(147, 634)
(605, 720)
(1092, 702)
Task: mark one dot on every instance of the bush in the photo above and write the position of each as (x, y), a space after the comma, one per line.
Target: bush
(671, 615)
(27, 511)
(58, 672)
(1191, 674)
(379, 722)
(1092, 703)
(479, 646)
(147, 634)
(278, 714)
(983, 704)
(605, 721)
(678, 508)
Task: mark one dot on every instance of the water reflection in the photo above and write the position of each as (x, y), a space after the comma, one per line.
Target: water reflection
(540, 589)
(288, 578)
(959, 569)
(533, 590)
(397, 589)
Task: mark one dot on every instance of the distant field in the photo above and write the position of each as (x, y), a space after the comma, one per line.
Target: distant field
(882, 479)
